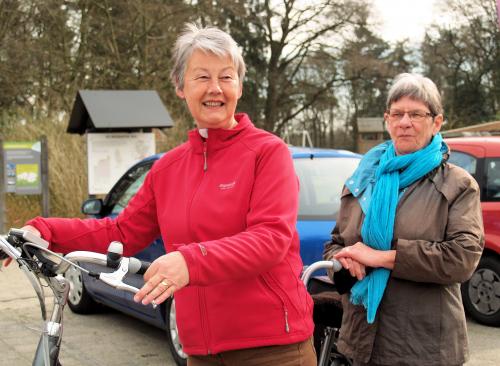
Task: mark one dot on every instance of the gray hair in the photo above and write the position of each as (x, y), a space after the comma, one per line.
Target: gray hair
(415, 87)
(209, 40)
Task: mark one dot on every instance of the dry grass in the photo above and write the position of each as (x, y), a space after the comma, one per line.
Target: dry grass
(67, 169)
(67, 165)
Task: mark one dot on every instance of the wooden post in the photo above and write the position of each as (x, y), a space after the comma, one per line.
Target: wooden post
(3, 219)
(44, 168)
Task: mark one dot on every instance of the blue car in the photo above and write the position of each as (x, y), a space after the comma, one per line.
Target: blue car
(321, 172)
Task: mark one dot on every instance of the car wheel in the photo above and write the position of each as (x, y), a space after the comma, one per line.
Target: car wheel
(173, 341)
(481, 294)
(79, 300)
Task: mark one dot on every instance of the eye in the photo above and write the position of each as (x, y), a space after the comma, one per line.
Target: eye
(417, 115)
(397, 114)
(201, 77)
(226, 77)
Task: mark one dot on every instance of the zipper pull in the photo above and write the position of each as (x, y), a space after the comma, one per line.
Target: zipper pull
(287, 328)
(205, 164)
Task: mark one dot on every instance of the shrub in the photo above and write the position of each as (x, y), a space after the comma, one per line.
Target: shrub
(67, 165)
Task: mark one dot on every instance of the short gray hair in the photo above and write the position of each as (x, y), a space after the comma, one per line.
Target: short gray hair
(209, 40)
(415, 87)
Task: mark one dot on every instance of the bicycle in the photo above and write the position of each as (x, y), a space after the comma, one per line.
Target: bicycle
(43, 265)
(327, 313)
(45, 268)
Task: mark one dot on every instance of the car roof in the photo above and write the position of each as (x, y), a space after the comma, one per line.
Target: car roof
(489, 146)
(152, 158)
(297, 152)
(307, 152)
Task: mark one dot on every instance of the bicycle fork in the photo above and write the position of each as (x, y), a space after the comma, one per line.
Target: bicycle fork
(47, 352)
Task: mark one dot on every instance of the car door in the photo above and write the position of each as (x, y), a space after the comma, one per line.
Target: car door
(133, 180)
(115, 201)
(491, 203)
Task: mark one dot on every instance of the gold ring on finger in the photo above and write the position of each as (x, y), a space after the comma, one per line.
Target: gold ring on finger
(165, 283)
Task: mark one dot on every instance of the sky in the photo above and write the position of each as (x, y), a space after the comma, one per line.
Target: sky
(400, 19)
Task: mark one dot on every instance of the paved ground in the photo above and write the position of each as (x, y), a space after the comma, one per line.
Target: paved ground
(113, 339)
(106, 339)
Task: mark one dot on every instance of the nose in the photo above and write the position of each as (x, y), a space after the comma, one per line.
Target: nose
(214, 87)
(405, 121)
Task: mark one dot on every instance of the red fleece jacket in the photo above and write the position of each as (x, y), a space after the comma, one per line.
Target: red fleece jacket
(229, 205)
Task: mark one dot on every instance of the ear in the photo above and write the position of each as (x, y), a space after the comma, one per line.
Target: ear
(179, 92)
(437, 123)
(386, 124)
(240, 92)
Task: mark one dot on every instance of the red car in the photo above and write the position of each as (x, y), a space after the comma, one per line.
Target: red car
(480, 156)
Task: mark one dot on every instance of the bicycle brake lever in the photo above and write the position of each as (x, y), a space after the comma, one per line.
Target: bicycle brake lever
(115, 279)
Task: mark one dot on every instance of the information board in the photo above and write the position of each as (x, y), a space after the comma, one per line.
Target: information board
(111, 154)
(22, 167)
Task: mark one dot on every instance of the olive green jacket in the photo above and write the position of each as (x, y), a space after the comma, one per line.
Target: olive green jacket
(438, 240)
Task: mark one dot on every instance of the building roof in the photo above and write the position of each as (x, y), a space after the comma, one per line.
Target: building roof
(117, 110)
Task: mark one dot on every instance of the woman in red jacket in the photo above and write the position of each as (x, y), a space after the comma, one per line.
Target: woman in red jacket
(225, 203)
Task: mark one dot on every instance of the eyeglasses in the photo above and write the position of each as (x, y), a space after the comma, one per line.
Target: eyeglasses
(415, 116)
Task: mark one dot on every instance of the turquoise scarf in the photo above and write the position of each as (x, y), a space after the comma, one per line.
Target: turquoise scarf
(378, 183)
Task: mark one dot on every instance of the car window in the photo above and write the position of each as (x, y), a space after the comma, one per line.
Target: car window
(463, 160)
(135, 178)
(492, 179)
(321, 183)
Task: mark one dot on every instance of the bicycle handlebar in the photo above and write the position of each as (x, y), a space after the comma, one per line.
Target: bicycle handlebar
(113, 279)
(41, 264)
(332, 264)
(21, 245)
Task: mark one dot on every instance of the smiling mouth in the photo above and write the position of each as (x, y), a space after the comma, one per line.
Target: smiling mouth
(213, 104)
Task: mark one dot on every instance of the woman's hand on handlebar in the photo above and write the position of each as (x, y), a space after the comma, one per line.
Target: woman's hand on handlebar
(355, 268)
(166, 275)
(367, 256)
(30, 228)
(4, 259)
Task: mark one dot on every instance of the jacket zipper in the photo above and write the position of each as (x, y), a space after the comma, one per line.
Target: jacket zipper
(285, 310)
(205, 163)
(201, 292)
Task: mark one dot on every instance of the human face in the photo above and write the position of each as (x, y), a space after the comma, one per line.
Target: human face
(211, 90)
(409, 136)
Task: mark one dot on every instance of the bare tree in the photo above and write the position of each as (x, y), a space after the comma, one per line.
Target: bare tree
(279, 38)
(464, 59)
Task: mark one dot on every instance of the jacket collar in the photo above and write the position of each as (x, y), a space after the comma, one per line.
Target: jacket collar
(218, 138)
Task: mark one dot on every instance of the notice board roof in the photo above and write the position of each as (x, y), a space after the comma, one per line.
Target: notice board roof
(117, 110)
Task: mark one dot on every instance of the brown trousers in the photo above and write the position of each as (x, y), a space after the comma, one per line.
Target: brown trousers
(358, 363)
(297, 354)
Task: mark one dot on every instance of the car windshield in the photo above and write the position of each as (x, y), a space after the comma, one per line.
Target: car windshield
(139, 175)
(463, 160)
(321, 182)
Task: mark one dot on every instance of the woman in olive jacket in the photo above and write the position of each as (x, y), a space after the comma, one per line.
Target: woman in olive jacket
(410, 230)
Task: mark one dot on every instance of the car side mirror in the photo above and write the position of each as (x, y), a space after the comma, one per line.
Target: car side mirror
(92, 206)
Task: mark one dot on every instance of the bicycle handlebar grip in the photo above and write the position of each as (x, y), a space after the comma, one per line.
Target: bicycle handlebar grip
(138, 266)
(336, 265)
(114, 255)
(17, 237)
